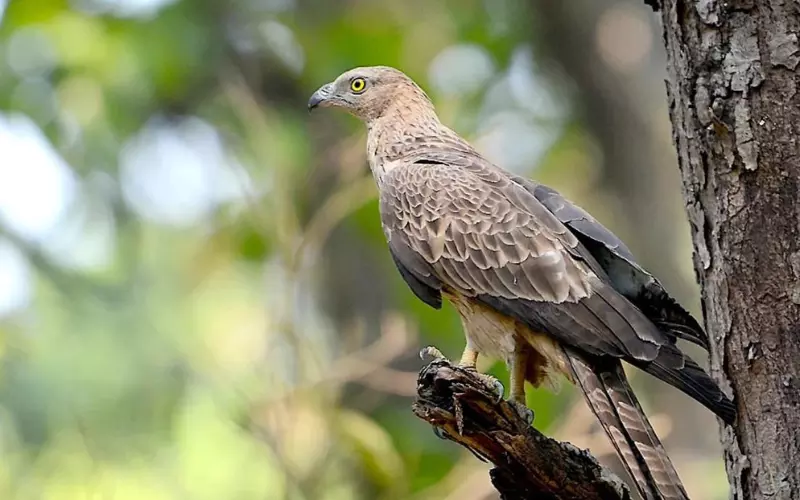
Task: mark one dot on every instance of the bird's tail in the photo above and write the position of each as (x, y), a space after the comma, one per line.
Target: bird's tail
(612, 401)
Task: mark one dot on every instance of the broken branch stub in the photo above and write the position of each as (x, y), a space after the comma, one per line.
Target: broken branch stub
(527, 464)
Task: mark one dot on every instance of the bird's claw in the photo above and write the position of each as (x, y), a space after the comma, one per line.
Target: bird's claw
(492, 384)
(431, 353)
(522, 410)
(440, 433)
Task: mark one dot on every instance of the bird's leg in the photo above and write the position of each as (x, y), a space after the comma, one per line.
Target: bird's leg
(517, 370)
(469, 360)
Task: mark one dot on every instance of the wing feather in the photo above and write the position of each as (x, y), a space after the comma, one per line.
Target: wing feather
(514, 255)
(628, 277)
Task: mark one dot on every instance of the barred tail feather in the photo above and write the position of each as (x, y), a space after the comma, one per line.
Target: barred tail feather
(612, 401)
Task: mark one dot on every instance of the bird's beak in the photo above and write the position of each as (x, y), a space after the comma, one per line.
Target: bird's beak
(320, 97)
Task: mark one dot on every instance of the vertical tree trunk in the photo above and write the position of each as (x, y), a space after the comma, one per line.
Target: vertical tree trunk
(736, 120)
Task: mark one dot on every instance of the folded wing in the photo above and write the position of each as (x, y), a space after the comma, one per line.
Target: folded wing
(460, 224)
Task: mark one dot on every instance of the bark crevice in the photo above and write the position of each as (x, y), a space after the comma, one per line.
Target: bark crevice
(736, 118)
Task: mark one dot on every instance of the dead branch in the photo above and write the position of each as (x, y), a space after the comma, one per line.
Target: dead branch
(528, 464)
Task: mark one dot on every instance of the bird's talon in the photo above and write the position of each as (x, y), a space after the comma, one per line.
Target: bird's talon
(499, 390)
(440, 433)
(431, 353)
(493, 385)
(522, 410)
(468, 368)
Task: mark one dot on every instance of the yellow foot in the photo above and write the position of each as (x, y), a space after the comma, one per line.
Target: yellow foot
(467, 363)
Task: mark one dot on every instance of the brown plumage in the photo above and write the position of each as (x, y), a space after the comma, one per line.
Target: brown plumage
(537, 281)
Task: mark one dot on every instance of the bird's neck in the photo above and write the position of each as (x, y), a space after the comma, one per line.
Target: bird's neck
(395, 135)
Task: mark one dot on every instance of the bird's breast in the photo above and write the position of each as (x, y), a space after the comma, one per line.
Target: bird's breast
(487, 331)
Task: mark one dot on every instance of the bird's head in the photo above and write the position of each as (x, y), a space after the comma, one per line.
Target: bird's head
(369, 92)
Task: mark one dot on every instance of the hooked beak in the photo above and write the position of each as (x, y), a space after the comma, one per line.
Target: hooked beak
(320, 97)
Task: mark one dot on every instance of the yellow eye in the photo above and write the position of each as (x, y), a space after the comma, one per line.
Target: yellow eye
(358, 85)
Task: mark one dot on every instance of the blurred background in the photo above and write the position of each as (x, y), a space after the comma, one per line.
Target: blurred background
(196, 301)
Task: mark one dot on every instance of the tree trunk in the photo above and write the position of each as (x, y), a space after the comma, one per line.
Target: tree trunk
(736, 119)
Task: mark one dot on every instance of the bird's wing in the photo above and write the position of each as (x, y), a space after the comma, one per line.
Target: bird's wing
(627, 276)
(457, 226)
(455, 222)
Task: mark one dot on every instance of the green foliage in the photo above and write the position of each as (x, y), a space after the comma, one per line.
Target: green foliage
(214, 314)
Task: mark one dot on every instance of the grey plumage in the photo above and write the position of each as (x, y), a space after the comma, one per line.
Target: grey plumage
(538, 282)
(628, 277)
(481, 235)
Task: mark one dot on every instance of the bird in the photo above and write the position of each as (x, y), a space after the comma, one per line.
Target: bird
(537, 281)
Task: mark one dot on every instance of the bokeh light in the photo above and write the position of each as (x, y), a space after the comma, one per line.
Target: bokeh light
(196, 300)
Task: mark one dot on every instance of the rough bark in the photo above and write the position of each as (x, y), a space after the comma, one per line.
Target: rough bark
(736, 119)
(527, 463)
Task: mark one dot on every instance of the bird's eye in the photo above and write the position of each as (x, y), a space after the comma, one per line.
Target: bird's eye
(357, 85)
